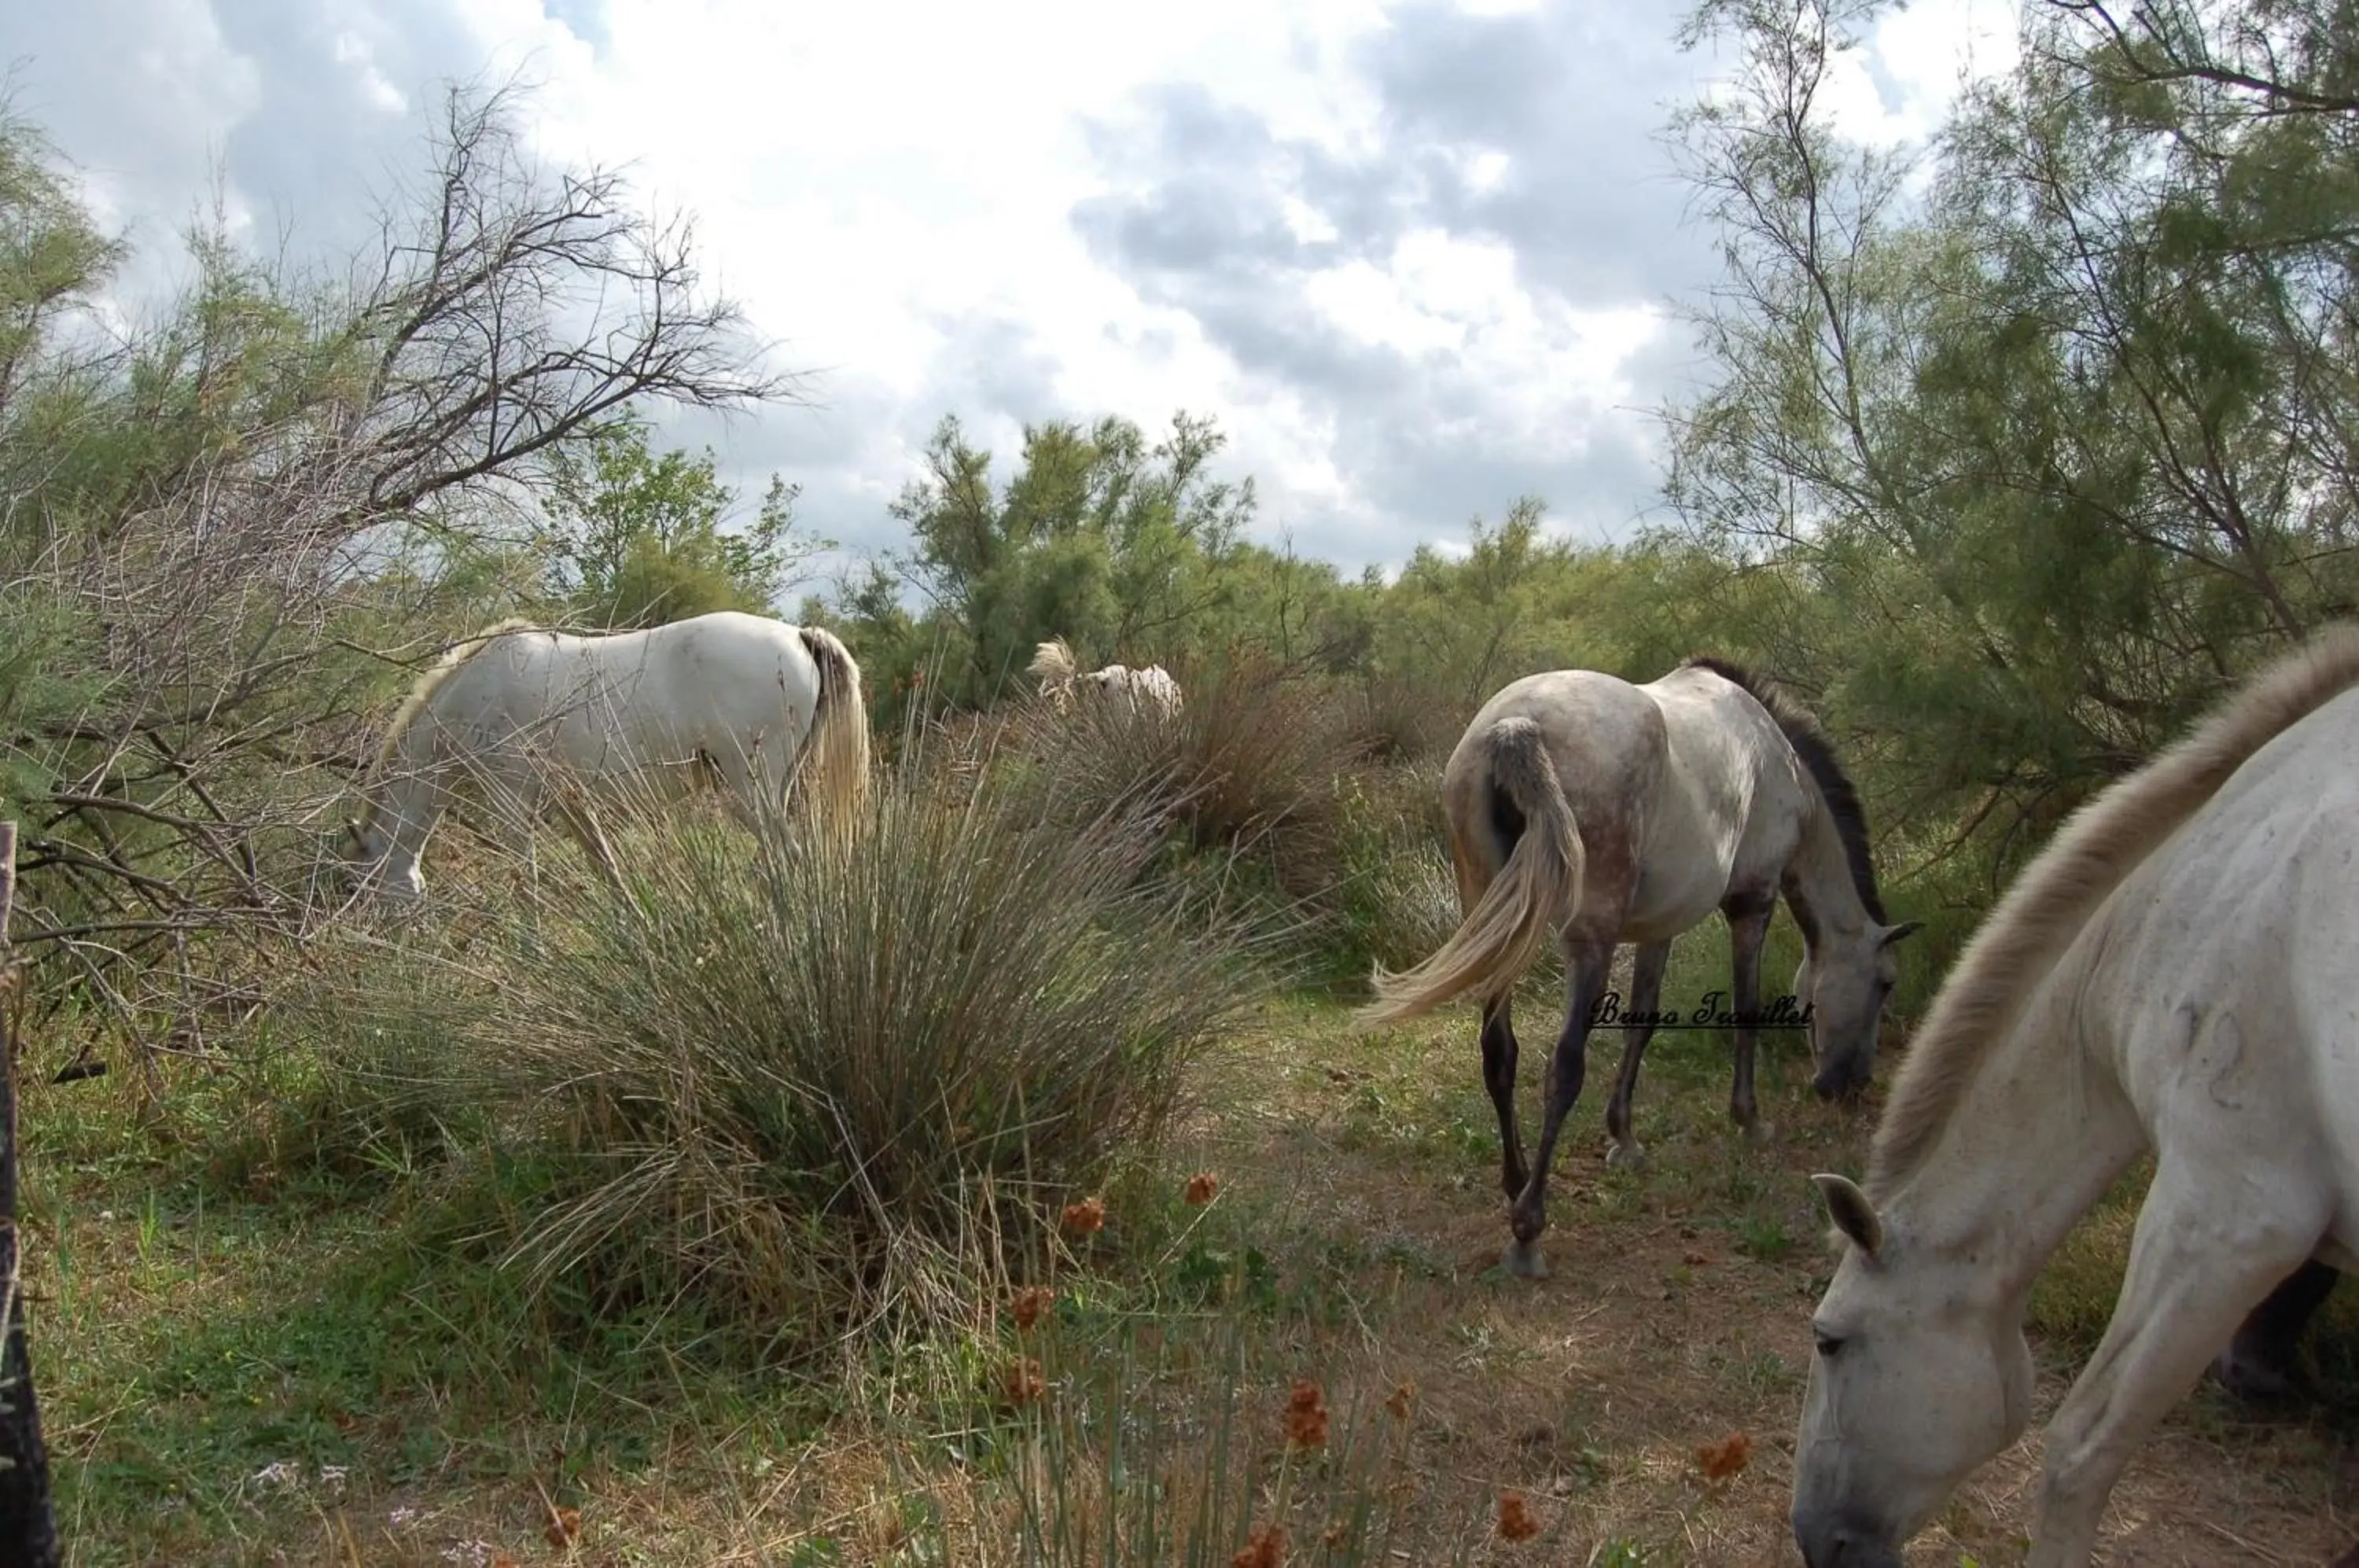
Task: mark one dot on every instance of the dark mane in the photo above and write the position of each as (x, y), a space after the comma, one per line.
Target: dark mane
(1810, 744)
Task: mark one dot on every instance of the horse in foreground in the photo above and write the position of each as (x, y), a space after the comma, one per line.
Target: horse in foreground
(2168, 976)
(1583, 806)
(1061, 678)
(517, 713)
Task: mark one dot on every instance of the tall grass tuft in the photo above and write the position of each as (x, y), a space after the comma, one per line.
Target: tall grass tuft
(798, 1079)
(1248, 767)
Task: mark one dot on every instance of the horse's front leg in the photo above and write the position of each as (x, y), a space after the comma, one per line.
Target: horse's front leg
(1748, 928)
(2202, 1256)
(1646, 966)
(1586, 964)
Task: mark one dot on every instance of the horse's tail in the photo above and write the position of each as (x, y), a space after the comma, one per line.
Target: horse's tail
(1052, 661)
(1514, 918)
(835, 758)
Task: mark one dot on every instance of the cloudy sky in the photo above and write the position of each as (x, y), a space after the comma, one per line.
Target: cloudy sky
(1416, 257)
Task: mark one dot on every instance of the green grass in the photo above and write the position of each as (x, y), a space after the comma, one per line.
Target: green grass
(251, 1304)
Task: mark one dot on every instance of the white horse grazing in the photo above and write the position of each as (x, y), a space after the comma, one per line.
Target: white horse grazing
(2170, 976)
(1586, 808)
(1059, 678)
(747, 702)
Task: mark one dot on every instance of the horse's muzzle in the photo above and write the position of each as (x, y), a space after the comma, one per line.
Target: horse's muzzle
(1835, 1542)
(1840, 1082)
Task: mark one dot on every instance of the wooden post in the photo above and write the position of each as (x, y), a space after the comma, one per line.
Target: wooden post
(29, 1528)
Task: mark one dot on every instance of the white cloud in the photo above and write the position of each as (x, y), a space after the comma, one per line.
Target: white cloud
(889, 188)
(1922, 51)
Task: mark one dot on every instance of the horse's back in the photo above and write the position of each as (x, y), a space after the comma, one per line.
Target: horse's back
(1735, 779)
(1600, 729)
(718, 682)
(2215, 977)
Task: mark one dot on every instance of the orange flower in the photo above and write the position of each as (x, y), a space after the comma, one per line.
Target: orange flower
(1023, 1383)
(1516, 1520)
(1306, 1415)
(1086, 1217)
(1399, 1402)
(564, 1524)
(1719, 1461)
(1030, 1303)
(1202, 1186)
(1265, 1548)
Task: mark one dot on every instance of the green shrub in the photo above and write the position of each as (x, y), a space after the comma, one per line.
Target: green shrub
(1398, 898)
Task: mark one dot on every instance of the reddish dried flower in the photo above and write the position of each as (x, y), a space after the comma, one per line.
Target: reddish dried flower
(1399, 1401)
(1086, 1217)
(1202, 1186)
(1719, 1461)
(1516, 1520)
(1031, 1302)
(1023, 1383)
(564, 1524)
(1306, 1415)
(1265, 1548)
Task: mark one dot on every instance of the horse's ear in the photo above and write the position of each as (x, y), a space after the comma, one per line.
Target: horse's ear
(1904, 929)
(1851, 1212)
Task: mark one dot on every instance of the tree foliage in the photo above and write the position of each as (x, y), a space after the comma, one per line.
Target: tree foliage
(2058, 438)
(634, 537)
(227, 530)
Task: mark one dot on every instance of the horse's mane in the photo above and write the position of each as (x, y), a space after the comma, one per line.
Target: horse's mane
(1818, 754)
(457, 654)
(2098, 846)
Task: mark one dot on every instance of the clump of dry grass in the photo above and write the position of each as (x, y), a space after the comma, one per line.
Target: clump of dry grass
(800, 1078)
(1248, 767)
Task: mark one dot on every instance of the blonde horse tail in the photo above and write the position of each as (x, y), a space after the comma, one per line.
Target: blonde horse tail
(1513, 920)
(835, 758)
(1052, 661)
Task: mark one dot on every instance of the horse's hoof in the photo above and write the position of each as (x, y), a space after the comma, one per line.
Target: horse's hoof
(1758, 1133)
(1523, 1260)
(1630, 1156)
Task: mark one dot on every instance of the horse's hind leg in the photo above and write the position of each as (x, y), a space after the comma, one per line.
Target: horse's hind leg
(1646, 966)
(2202, 1256)
(1499, 1078)
(2259, 1364)
(1748, 928)
(1586, 963)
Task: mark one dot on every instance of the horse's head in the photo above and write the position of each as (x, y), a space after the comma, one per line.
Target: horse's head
(1845, 984)
(1922, 1377)
(364, 847)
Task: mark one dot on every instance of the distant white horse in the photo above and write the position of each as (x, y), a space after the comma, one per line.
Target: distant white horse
(1061, 678)
(2171, 976)
(519, 714)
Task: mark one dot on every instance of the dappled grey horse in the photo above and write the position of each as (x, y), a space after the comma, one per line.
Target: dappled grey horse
(1593, 810)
